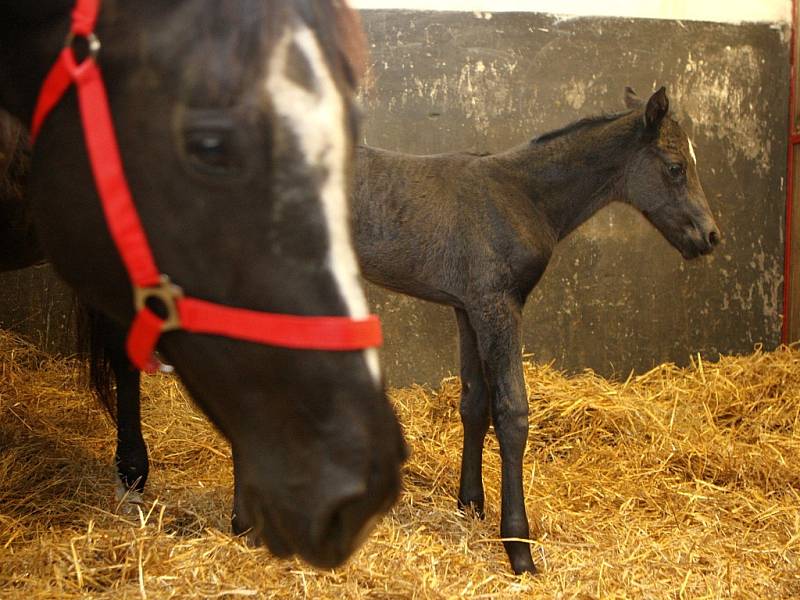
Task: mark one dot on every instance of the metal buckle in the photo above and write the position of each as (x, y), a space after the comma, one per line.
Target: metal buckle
(91, 39)
(165, 292)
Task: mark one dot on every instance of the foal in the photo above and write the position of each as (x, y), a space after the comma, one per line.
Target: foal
(476, 233)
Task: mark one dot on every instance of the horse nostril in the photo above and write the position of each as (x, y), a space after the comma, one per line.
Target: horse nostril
(713, 237)
(339, 533)
(335, 529)
(341, 523)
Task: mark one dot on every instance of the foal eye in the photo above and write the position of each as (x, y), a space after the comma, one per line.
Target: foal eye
(213, 151)
(676, 170)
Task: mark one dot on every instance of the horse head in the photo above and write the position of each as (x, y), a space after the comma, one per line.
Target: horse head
(236, 125)
(661, 179)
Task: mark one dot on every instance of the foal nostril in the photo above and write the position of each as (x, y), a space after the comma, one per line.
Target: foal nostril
(713, 237)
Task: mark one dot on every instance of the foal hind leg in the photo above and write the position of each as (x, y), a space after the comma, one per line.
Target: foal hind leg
(474, 417)
(498, 328)
(131, 455)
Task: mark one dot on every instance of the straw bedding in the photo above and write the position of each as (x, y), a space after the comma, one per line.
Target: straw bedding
(677, 483)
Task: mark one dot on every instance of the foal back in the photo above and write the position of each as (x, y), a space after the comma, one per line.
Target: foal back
(446, 227)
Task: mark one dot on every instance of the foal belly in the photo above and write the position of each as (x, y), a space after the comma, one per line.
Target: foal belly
(411, 287)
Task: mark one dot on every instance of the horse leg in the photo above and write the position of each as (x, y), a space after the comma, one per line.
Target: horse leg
(474, 417)
(498, 329)
(131, 455)
(237, 518)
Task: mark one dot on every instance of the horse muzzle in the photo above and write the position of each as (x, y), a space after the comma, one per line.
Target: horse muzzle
(324, 525)
(701, 241)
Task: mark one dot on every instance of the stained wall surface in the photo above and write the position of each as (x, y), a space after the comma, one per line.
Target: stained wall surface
(616, 296)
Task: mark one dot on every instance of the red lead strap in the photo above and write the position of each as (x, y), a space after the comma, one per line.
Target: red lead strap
(122, 219)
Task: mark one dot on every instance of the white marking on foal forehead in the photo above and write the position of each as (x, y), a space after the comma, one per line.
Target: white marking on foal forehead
(691, 151)
(317, 119)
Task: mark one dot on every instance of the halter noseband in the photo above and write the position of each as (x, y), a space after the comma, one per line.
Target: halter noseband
(148, 283)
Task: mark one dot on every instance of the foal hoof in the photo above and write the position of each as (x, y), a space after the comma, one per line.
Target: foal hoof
(474, 506)
(520, 556)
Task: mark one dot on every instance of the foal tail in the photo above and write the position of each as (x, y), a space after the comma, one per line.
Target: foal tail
(95, 341)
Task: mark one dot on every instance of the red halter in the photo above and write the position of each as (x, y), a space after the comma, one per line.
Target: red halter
(189, 314)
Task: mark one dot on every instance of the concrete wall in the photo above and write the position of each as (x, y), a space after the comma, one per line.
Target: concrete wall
(616, 296)
(37, 305)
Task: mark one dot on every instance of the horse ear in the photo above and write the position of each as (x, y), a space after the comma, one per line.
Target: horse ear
(657, 109)
(632, 101)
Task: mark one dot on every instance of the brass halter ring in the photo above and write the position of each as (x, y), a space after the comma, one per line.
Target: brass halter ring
(168, 294)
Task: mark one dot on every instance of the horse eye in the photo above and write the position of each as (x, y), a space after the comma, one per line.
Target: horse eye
(676, 170)
(212, 152)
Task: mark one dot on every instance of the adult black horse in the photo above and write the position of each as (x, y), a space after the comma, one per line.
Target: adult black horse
(476, 233)
(235, 124)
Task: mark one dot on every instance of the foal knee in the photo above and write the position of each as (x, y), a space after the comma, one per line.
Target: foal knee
(511, 427)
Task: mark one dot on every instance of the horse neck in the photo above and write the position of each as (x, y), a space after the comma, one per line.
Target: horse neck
(572, 176)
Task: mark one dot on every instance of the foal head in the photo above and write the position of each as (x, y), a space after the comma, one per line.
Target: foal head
(661, 180)
(236, 127)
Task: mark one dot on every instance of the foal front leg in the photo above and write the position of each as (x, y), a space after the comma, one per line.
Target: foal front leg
(474, 417)
(498, 328)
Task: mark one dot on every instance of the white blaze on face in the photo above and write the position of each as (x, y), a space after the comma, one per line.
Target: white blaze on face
(691, 151)
(317, 119)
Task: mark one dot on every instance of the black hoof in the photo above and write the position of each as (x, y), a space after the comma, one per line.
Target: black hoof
(239, 529)
(133, 465)
(519, 554)
(474, 505)
(237, 526)
(132, 476)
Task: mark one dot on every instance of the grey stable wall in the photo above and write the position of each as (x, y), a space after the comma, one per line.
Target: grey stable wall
(38, 306)
(616, 296)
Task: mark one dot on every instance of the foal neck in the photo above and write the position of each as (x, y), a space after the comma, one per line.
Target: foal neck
(572, 173)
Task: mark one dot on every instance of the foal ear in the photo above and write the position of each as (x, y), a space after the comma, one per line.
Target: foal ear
(632, 100)
(657, 109)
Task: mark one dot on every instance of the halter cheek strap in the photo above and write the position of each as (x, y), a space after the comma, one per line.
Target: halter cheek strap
(148, 283)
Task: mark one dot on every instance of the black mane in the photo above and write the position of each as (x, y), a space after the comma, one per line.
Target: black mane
(579, 124)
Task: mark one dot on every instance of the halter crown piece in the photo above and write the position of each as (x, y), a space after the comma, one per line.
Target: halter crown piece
(148, 283)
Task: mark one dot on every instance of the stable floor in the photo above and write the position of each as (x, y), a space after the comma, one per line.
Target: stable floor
(676, 483)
